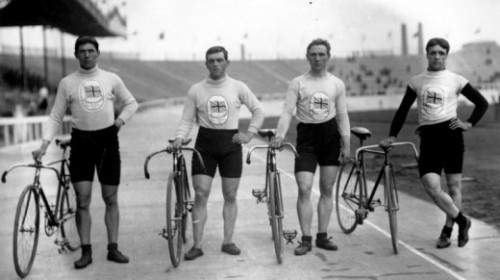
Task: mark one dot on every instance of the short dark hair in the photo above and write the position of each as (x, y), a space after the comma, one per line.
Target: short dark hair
(82, 40)
(217, 49)
(319, 41)
(438, 42)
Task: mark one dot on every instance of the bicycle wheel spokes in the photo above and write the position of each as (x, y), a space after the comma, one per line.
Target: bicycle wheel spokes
(174, 220)
(26, 231)
(276, 215)
(348, 197)
(69, 231)
(392, 206)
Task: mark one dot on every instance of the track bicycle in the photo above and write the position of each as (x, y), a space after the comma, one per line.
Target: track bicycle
(179, 202)
(272, 194)
(353, 201)
(59, 215)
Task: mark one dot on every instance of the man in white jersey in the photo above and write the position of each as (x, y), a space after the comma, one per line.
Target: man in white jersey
(214, 104)
(89, 94)
(441, 134)
(323, 137)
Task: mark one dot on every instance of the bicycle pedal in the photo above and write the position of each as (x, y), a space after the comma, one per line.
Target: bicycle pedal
(260, 194)
(289, 235)
(189, 205)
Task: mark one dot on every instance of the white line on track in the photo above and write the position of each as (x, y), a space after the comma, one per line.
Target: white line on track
(385, 233)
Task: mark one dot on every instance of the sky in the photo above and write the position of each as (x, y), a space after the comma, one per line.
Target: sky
(271, 29)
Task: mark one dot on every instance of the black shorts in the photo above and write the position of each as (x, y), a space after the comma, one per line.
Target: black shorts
(95, 150)
(317, 144)
(217, 149)
(440, 148)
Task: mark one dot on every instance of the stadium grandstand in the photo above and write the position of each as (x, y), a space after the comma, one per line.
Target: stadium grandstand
(369, 74)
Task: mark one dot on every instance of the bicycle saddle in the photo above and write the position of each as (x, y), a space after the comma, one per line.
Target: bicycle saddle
(269, 133)
(361, 132)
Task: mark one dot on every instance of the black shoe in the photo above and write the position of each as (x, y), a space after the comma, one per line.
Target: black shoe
(117, 256)
(304, 247)
(327, 244)
(463, 233)
(230, 249)
(84, 261)
(443, 241)
(193, 254)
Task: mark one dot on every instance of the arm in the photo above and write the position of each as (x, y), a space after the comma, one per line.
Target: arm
(187, 120)
(400, 116)
(481, 104)
(250, 100)
(130, 104)
(286, 116)
(342, 118)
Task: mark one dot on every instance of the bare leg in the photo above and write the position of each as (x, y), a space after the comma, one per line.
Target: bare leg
(432, 183)
(325, 204)
(230, 210)
(202, 186)
(454, 182)
(83, 191)
(304, 205)
(112, 214)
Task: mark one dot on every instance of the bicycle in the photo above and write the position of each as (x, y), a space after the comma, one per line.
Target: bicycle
(178, 203)
(353, 201)
(272, 192)
(59, 216)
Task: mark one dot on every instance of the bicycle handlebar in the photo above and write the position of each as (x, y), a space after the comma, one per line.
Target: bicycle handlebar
(385, 150)
(37, 164)
(169, 150)
(284, 145)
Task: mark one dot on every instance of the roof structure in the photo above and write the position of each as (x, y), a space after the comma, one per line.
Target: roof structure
(77, 17)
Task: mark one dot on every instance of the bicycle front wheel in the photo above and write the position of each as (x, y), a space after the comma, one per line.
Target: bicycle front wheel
(276, 214)
(186, 196)
(69, 231)
(392, 206)
(26, 231)
(348, 197)
(174, 220)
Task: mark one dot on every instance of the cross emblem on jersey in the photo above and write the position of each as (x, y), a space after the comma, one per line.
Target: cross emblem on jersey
(218, 105)
(91, 90)
(433, 97)
(321, 102)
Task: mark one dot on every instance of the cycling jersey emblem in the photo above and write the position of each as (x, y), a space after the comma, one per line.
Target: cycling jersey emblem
(319, 106)
(433, 100)
(91, 95)
(218, 112)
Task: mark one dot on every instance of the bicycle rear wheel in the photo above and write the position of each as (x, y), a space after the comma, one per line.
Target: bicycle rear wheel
(69, 231)
(392, 205)
(348, 196)
(174, 220)
(26, 231)
(276, 214)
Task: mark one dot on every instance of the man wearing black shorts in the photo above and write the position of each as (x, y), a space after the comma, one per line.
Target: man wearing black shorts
(214, 104)
(89, 94)
(441, 134)
(323, 138)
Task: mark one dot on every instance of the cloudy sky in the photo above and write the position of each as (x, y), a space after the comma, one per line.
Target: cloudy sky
(282, 28)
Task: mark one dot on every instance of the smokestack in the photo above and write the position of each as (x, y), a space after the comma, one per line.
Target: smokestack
(404, 40)
(420, 39)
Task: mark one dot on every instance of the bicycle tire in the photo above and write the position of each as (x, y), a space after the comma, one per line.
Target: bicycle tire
(348, 197)
(185, 187)
(391, 206)
(174, 221)
(276, 219)
(68, 208)
(26, 231)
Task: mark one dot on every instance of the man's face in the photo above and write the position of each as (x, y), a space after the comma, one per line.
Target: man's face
(216, 65)
(318, 57)
(87, 56)
(436, 57)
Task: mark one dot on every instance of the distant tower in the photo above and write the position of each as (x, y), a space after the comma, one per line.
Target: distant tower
(404, 40)
(420, 39)
(242, 52)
